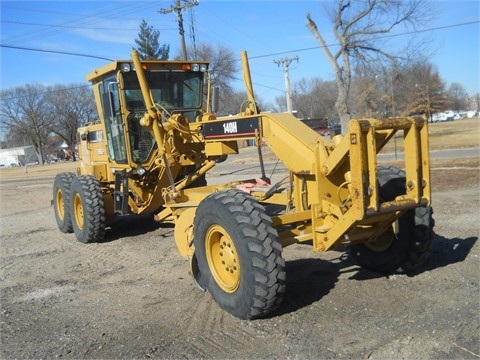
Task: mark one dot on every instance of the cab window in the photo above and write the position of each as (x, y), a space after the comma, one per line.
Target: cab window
(113, 120)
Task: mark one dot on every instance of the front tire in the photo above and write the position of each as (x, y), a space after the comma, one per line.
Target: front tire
(238, 254)
(405, 246)
(88, 209)
(61, 201)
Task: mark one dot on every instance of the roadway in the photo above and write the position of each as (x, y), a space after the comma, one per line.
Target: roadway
(245, 164)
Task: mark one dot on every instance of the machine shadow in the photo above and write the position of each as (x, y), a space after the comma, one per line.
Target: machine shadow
(309, 280)
(447, 251)
(134, 225)
(444, 252)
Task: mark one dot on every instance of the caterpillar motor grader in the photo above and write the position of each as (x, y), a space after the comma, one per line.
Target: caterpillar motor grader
(155, 141)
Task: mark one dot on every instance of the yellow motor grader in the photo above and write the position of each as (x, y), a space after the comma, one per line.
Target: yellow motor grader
(156, 139)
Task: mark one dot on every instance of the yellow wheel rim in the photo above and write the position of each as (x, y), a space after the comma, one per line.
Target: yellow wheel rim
(78, 211)
(60, 205)
(222, 258)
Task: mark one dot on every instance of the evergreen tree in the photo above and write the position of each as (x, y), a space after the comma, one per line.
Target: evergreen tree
(148, 46)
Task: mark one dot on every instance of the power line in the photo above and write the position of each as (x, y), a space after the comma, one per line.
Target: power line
(98, 13)
(265, 55)
(70, 26)
(40, 10)
(55, 52)
(193, 26)
(250, 57)
(113, 12)
(373, 38)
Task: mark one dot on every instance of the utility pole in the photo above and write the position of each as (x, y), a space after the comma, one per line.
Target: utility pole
(286, 63)
(177, 9)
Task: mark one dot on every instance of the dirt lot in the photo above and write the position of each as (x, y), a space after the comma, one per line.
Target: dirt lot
(132, 297)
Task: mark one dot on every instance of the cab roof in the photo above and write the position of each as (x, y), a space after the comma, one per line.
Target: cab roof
(148, 65)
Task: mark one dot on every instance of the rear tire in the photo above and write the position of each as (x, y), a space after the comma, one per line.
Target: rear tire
(407, 247)
(61, 201)
(238, 254)
(88, 209)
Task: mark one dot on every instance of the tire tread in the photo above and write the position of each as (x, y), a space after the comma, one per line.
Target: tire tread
(263, 249)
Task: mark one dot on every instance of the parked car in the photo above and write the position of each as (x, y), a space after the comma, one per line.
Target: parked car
(335, 129)
(437, 117)
(321, 130)
(471, 114)
(449, 114)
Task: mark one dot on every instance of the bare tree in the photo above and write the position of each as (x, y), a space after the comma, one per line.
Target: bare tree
(73, 106)
(231, 103)
(222, 69)
(357, 26)
(413, 88)
(315, 98)
(458, 96)
(421, 90)
(234, 102)
(367, 98)
(26, 111)
(223, 64)
(373, 91)
(12, 136)
(473, 102)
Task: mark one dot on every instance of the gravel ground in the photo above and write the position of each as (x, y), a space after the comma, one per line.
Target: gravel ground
(131, 296)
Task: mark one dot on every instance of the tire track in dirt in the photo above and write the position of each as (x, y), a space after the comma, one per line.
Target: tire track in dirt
(27, 252)
(133, 297)
(94, 261)
(211, 331)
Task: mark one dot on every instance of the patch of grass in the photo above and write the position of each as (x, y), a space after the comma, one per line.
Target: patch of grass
(34, 171)
(464, 133)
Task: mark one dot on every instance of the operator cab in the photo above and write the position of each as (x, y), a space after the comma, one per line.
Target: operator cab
(175, 87)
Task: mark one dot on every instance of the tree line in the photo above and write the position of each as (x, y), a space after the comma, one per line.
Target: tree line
(415, 88)
(31, 114)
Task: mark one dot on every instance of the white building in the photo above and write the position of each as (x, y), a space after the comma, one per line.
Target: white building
(17, 156)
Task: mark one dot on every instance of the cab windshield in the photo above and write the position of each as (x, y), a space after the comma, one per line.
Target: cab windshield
(173, 90)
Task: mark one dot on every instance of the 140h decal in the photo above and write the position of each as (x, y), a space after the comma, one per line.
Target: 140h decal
(231, 129)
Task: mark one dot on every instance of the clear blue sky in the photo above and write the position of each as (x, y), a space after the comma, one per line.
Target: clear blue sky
(267, 30)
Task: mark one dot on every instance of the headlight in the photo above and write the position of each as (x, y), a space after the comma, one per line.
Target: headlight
(125, 67)
(141, 170)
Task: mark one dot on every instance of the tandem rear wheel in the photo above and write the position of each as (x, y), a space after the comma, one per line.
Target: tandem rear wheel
(87, 209)
(61, 199)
